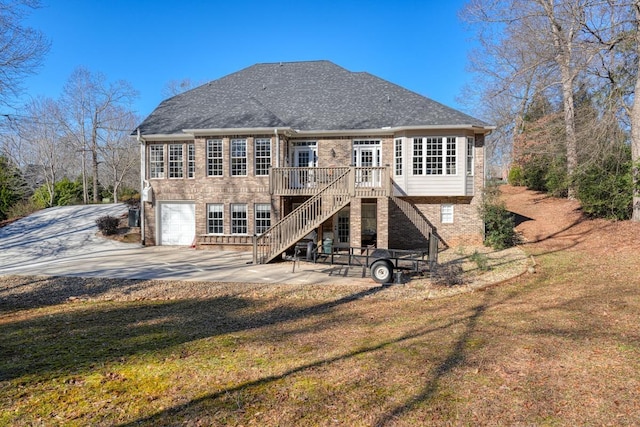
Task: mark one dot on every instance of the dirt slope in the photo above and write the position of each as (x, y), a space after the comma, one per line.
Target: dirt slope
(549, 223)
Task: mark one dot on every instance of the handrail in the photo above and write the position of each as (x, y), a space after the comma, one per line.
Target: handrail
(309, 215)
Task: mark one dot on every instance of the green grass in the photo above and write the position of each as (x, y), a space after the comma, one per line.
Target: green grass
(560, 347)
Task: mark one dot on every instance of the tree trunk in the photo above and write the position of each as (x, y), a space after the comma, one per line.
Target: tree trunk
(635, 126)
(94, 157)
(570, 128)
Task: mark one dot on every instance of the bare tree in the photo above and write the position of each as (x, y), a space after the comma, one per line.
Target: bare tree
(614, 27)
(92, 107)
(119, 152)
(539, 39)
(41, 142)
(21, 48)
(176, 87)
(635, 120)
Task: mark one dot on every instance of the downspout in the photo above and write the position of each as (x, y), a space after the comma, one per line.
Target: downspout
(143, 175)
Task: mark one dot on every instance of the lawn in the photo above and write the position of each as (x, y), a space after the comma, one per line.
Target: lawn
(558, 347)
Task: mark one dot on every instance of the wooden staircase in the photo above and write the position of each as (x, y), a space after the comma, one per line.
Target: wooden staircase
(422, 224)
(304, 219)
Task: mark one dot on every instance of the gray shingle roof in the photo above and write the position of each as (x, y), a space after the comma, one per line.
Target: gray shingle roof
(316, 95)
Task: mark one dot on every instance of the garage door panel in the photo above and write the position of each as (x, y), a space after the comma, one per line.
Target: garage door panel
(177, 223)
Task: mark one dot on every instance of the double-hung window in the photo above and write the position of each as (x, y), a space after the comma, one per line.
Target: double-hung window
(434, 155)
(398, 157)
(418, 159)
(191, 160)
(446, 214)
(176, 161)
(238, 219)
(451, 156)
(215, 218)
(238, 157)
(214, 157)
(263, 156)
(156, 161)
(470, 144)
(262, 217)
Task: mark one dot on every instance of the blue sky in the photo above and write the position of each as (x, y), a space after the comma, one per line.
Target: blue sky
(420, 45)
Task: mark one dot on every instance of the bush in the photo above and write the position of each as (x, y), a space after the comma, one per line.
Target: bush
(605, 191)
(499, 223)
(65, 193)
(515, 176)
(108, 225)
(481, 260)
(22, 209)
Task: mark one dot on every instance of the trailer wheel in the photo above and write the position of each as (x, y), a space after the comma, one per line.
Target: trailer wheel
(382, 271)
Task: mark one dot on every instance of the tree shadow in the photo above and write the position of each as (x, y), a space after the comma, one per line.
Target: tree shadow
(75, 340)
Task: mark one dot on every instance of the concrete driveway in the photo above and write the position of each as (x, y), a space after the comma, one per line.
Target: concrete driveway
(62, 241)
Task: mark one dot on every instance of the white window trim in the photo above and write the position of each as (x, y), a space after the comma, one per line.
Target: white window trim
(444, 140)
(447, 213)
(209, 158)
(221, 207)
(398, 157)
(256, 157)
(246, 218)
(162, 150)
(470, 159)
(180, 162)
(245, 157)
(256, 219)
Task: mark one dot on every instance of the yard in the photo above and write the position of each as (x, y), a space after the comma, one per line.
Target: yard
(560, 346)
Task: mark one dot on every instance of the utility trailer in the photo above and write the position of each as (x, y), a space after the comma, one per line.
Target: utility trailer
(382, 262)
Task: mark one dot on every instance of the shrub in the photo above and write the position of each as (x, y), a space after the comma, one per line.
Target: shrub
(481, 260)
(499, 223)
(108, 225)
(65, 192)
(515, 176)
(605, 191)
(22, 209)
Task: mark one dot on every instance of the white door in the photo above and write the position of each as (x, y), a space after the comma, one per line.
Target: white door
(177, 223)
(341, 228)
(304, 157)
(367, 157)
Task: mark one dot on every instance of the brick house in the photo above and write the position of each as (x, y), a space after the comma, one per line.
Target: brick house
(284, 149)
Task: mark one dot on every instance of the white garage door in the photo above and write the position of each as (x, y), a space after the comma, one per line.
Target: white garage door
(177, 223)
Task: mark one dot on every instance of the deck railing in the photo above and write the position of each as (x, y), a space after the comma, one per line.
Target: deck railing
(306, 217)
(366, 181)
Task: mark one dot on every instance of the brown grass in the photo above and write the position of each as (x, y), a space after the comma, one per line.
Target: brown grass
(558, 347)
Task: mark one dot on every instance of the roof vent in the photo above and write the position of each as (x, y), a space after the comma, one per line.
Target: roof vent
(264, 86)
(388, 98)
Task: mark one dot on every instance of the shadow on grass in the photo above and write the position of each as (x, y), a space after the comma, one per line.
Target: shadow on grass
(83, 336)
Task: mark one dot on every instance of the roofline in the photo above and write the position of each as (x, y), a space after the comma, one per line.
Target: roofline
(188, 134)
(237, 131)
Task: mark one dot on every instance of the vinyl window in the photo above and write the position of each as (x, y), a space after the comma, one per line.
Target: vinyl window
(238, 219)
(238, 157)
(434, 155)
(176, 161)
(156, 161)
(215, 218)
(263, 156)
(470, 155)
(262, 217)
(398, 157)
(191, 160)
(214, 157)
(446, 214)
